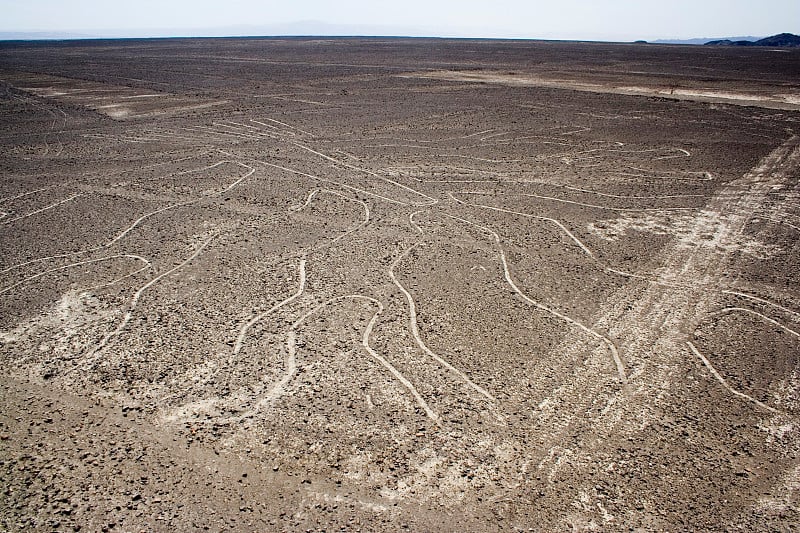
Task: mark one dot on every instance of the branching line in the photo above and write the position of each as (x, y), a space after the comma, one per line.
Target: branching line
(507, 274)
(79, 263)
(94, 353)
(412, 315)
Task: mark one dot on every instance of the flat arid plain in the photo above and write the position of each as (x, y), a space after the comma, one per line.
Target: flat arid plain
(386, 284)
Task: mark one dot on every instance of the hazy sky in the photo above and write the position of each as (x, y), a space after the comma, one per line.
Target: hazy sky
(559, 19)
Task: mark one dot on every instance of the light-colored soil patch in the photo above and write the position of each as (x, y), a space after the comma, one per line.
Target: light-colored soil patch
(116, 101)
(775, 100)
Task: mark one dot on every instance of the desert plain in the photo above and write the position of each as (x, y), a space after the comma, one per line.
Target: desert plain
(398, 284)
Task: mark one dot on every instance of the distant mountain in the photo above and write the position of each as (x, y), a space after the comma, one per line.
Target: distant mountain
(704, 40)
(780, 40)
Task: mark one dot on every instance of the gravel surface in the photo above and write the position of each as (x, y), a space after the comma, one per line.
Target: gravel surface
(398, 284)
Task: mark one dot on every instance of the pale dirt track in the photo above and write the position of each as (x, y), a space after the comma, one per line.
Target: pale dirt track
(320, 294)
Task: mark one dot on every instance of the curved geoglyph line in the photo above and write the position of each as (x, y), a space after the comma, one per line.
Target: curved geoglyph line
(240, 339)
(138, 221)
(412, 315)
(42, 210)
(724, 383)
(94, 354)
(243, 331)
(558, 223)
(355, 228)
(291, 363)
(612, 348)
(81, 263)
(762, 317)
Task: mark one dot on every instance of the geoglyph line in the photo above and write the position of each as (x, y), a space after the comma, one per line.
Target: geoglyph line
(507, 274)
(28, 193)
(138, 221)
(528, 215)
(358, 226)
(765, 318)
(94, 353)
(240, 340)
(402, 379)
(724, 383)
(326, 180)
(431, 200)
(79, 263)
(43, 209)
(763, 301)
(259, 317)
(582, 204)
(282, 124)
(291, 363)
(412, 315)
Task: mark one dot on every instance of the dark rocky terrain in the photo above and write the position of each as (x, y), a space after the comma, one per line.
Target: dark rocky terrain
(398, 284)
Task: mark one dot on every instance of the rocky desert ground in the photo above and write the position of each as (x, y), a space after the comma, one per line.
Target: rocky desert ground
(398, 284)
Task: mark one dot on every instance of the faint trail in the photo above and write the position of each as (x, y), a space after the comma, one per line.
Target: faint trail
(28, 193)
(650, 324)
(765, 318)
(431, 200)
(651, 174)
(138, 221)
(249, 131)
(42, 210)
(609, 195)
(208, 129)
(396, 171)
(80, 263)
(582, 204)
(528, 215)
(94, 353)
(338, 184)
(779, 221)
(602, 151)
(507, 274)
(282, 124)
(412, 315)
(260, 131)
(36, 104)
(479, 133)
(649, 278)
(725, 384)
(761, 300)
(357, 227)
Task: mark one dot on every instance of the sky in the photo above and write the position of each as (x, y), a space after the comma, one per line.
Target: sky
(613, 20)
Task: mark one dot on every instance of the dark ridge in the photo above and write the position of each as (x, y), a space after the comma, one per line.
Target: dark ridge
(788, 40)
